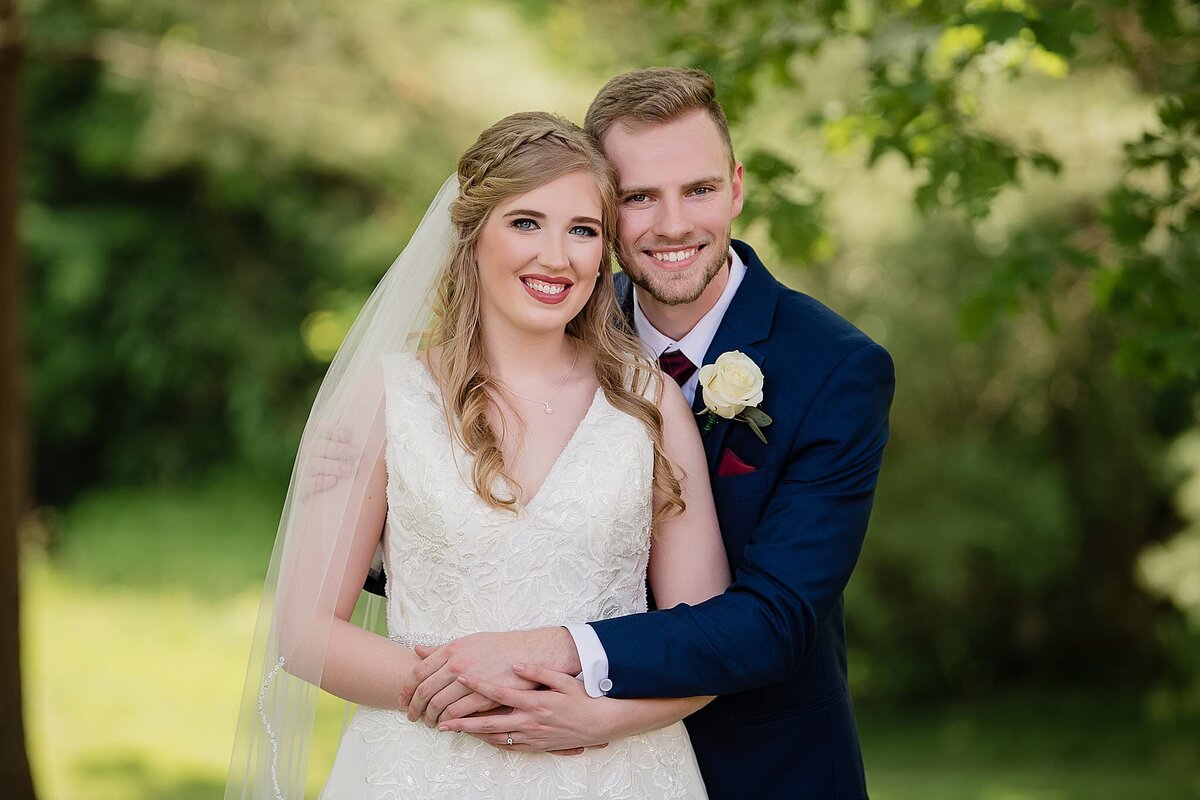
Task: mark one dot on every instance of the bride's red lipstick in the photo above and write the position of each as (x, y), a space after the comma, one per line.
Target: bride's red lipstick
(548, 298)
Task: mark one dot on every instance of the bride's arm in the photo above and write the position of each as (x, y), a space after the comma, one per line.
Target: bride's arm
(361, 666)
(358, 665)
(687, 557)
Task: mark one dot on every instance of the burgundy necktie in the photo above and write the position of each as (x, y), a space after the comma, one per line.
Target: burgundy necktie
(677, 365)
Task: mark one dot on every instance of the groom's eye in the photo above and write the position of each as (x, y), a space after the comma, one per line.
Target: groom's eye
(637, 198)
(524, 224)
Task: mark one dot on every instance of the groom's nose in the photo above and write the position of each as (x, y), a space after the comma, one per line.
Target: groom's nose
(672, 221)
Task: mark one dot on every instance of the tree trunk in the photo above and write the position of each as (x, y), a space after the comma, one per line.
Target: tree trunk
(14, 763)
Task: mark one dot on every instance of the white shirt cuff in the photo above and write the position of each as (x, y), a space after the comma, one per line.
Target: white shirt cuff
(592, 658)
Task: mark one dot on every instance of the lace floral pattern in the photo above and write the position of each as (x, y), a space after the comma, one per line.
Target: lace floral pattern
(577, 552)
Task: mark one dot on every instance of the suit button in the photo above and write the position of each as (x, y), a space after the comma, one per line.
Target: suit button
(606, 685)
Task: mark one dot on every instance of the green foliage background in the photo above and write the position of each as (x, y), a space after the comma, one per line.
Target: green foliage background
(1002, 192)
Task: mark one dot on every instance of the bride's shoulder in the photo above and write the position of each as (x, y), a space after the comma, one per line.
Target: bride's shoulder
(405, 362)
(410, 395)
(405, 371)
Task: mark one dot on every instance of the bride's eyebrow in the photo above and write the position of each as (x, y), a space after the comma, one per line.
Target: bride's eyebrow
(528, 212)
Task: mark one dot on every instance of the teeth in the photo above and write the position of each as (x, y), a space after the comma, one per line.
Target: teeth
(545, 288)
(678, 255)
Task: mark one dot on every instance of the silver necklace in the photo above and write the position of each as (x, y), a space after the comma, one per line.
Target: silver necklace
(546, 403)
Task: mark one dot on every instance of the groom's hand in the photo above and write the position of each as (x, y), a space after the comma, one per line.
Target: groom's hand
(433, 689)
(558, 716)
(331, 458)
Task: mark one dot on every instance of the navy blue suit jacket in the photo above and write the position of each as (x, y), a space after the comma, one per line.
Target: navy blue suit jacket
(773, 645)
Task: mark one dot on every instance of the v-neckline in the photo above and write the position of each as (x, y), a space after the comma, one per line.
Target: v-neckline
(528, 504)
(554, 467)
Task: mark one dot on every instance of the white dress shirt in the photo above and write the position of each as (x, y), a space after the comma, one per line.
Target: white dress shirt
(694, 345)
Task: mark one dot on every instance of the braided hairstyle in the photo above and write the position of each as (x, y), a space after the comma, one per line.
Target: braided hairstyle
(516, 155)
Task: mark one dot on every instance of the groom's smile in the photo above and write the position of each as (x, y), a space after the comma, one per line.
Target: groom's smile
(676, 259)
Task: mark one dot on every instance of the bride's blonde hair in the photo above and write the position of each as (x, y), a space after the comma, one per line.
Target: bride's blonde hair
(518, 154)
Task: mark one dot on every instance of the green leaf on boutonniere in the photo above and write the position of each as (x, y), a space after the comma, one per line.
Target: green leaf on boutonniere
(757, 418)
(710, 421)
(757, 430)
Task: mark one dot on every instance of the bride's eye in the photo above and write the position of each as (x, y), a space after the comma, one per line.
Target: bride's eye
(524, 224)
(585, 230)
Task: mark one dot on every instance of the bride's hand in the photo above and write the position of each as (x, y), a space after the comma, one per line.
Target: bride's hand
(560, 717)
(433, 692)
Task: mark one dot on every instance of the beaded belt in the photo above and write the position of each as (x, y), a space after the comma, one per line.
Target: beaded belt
(423, 639)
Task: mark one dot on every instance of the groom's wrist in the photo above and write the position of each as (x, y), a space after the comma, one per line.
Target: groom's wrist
(563, 653)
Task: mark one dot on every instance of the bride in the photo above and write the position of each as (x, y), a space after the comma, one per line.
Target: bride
(518, 457)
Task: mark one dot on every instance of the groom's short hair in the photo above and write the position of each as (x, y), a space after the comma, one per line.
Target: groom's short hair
(653, 96)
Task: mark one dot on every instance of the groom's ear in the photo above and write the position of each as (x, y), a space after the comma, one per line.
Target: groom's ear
(736, 189)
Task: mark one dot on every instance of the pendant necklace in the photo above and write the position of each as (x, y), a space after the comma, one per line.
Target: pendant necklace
(546, 403)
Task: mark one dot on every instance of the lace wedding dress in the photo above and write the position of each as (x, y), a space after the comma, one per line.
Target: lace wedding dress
(577, 552)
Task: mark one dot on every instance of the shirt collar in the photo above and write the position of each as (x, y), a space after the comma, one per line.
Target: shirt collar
(696, 342)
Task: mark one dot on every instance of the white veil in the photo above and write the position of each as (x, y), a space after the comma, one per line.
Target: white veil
(291, 638)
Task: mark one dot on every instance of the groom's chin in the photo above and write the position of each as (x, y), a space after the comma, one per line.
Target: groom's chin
(671, 289)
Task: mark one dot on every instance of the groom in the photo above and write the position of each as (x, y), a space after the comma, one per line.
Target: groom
(793, 510)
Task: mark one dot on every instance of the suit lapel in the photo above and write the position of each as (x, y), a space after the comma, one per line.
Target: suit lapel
(747, 321)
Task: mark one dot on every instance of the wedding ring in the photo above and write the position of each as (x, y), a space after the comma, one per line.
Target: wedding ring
(509, 740)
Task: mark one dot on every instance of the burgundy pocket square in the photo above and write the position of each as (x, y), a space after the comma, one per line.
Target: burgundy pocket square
(732, 465)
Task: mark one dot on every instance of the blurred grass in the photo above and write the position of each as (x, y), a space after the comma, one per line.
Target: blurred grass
(138, 616)
(1030, 747)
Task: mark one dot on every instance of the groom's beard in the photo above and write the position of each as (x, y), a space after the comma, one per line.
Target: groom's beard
(672, 289)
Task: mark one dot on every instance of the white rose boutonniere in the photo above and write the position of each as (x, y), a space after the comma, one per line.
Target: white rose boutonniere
(733, 388)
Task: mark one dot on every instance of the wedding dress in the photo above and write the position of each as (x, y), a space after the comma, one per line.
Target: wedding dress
(576, 552)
